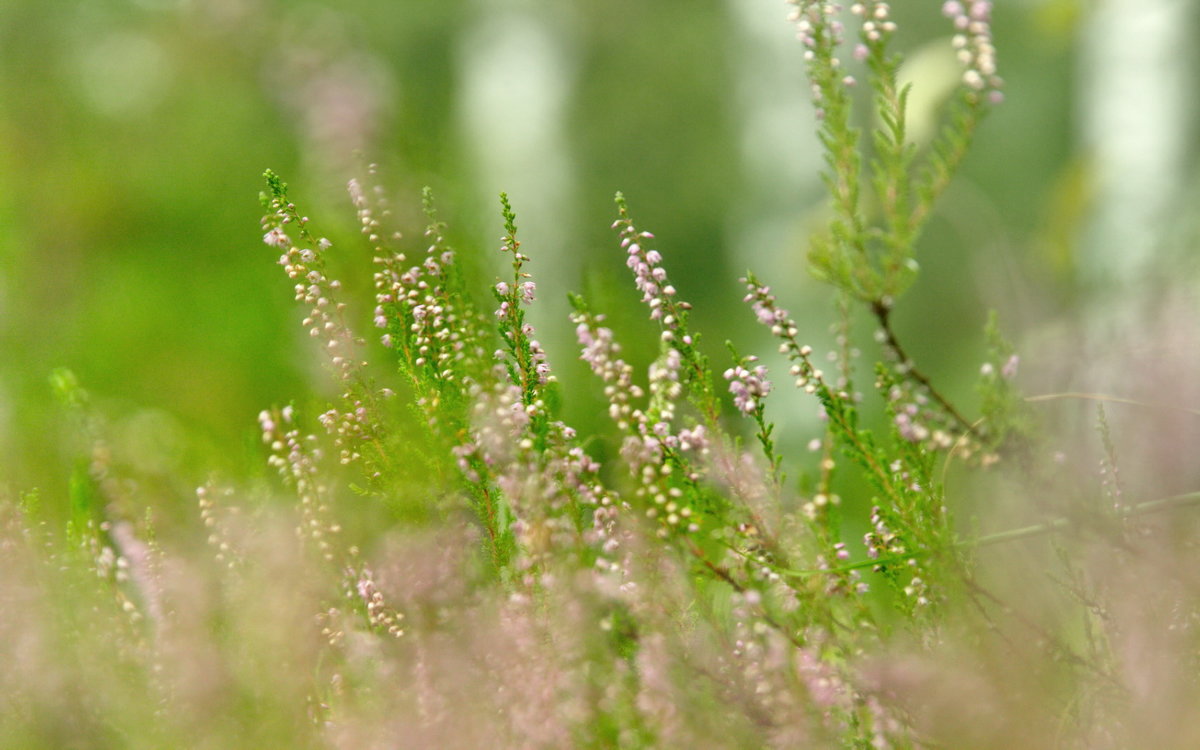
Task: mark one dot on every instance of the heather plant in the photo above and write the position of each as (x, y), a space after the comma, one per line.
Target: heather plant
(469, 570)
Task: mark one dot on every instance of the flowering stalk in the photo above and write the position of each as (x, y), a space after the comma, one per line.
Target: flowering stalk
(354, 424)
(749, 385)
(669, 312)
(526, 360)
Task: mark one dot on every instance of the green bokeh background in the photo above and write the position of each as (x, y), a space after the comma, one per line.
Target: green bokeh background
(134, 136)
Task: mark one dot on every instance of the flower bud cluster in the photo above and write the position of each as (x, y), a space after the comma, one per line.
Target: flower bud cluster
(379, 614)
(842, 582)
(662, 500)
(306, 267)
(768, 312)
(881, 540)
(665, 389)
(874, 34)
(421, 319)
(821, 32)
(501, 421)
(296, 459)
(763, 660)
(651, 280)
(817, 25)
(918, 421)
(350, 428)
(325, 321)
(877, 24)
(749, 387)
(649, 436)
(600, 353)
(372, 213)
(973, 43)
(544, 476)
(218, 534)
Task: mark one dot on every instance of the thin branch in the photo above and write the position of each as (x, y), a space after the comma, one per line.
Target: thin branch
(1025, 532)
(1104, 397)
(883, 315)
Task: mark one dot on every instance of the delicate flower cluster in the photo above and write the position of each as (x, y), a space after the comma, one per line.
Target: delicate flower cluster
(877, 29)
(767, 665)
(668, 504)
(546, 479)
(352, 425)
(817, 24)
(649, 436)
(914, 421)
(306, 266)
(350, 428)
(501, 421)
(324, 321)
(821, 32)
(600, 353)
(526, 292)
(749, 387)
(881, 540)
(218, 534)
(972, 21)
(877, 23)
(665, 388)
(842, 581)
(295, 457)
(1008, 370)
(918, 589)
(421, 319)
(767, 311)
(379, 614)
(651, 279)
(372, 213)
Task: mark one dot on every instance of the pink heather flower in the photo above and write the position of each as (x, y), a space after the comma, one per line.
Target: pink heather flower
(694, 439)
(972, 21)
(527, 290)
(1009, 371)
(276, 238)
(649, 276)
(354, 187)
(748, 387)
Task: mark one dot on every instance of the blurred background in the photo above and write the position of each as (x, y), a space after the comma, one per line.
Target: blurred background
(134, 134)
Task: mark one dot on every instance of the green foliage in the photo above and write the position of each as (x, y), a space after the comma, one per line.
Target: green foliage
(468, 569)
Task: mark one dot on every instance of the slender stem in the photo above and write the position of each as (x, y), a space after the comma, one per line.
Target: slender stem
(1025, 532)
(883, 315)
(720, 572)
(1104, 397)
